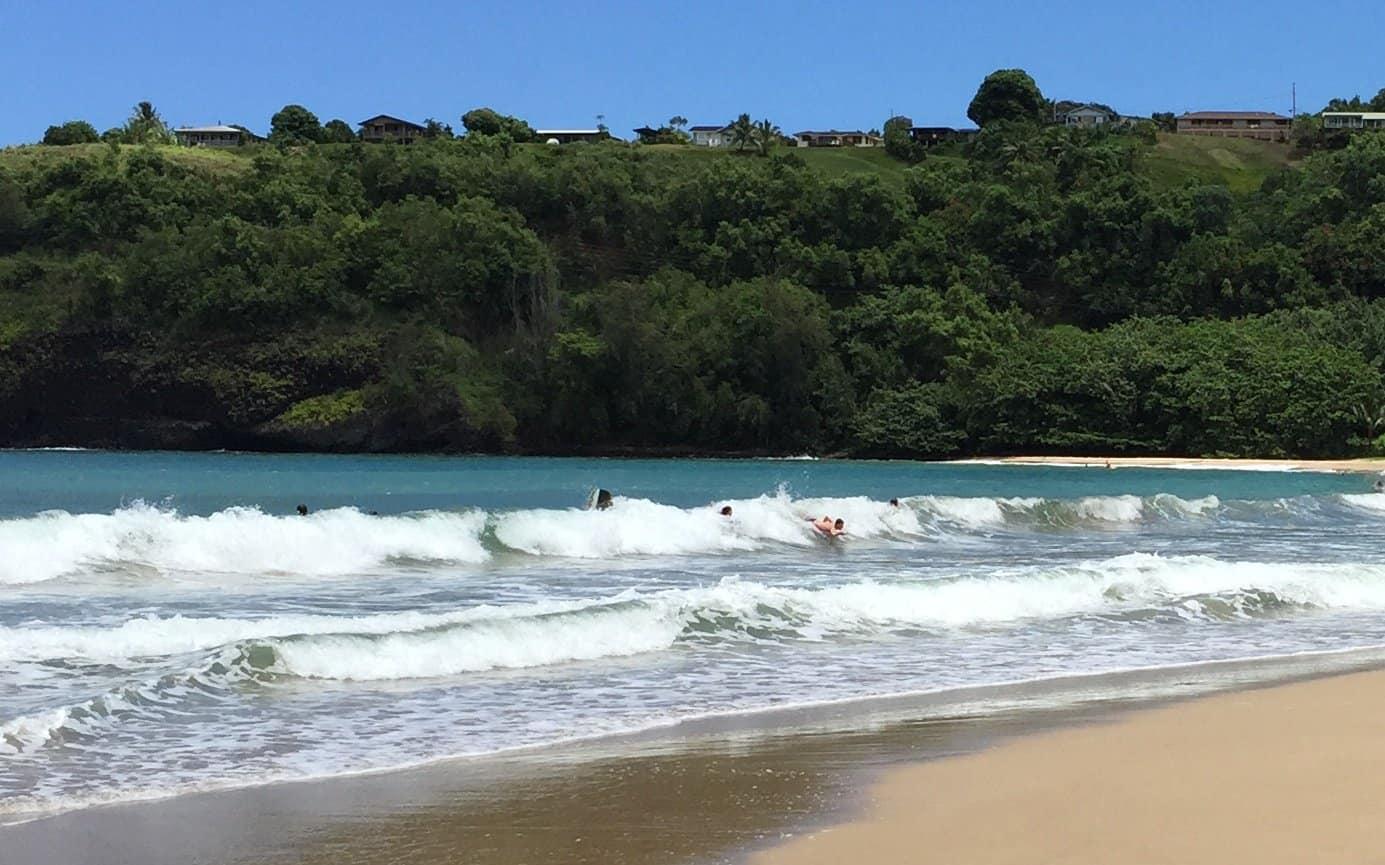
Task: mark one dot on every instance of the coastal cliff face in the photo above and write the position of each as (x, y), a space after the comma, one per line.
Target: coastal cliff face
(124, 390)
(1041, 290)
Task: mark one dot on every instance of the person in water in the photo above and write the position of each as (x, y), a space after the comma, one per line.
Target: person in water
(603, 499)
(726, 511)
(894, 503)
(302, 510)
(828, 527)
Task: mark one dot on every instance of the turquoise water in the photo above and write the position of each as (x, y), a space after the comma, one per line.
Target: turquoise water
(96, 481)
(169, 624)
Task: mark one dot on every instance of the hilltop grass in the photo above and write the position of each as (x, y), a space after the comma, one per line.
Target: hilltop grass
(215, 161)
(1239, 164)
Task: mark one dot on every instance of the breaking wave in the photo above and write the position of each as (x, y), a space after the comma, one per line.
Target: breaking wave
(489, 637)
(143, 540)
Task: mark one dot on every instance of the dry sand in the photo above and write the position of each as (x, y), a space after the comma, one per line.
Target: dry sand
(1364, 464)
(1294, 774)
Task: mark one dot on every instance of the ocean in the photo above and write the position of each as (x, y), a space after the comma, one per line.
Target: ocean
(169, 624)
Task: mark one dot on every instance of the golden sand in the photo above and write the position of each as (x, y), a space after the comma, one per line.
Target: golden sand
(1363, 464)
(1294, 774)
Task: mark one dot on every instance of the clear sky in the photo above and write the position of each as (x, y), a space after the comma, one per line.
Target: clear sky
(802, 63)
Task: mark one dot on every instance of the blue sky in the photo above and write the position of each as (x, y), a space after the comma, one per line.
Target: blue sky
(804, 64)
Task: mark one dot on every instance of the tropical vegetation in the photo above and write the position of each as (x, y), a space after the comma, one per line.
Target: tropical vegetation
(1038, 290)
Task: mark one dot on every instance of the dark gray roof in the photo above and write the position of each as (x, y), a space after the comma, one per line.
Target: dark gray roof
(388, 118)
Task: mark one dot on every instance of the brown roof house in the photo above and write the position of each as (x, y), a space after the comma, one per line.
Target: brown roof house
(383, 128)
(1262, 125)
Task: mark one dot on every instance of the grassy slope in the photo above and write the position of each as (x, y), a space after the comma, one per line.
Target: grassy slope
(1239, 164)
(217, 161)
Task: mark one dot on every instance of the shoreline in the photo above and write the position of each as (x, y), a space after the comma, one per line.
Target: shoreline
(1286, 773)
(1354, 465)
(721, 786)
(1346, 465)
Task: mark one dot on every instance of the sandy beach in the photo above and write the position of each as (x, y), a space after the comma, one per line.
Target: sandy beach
(1360, 464)
(1292, 774)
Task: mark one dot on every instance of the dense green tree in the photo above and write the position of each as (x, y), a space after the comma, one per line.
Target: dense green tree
(71, 132)
(337, 132)
(899, 143)
(487, 121)
(436, 129)
(294, 125)
(1008, 95)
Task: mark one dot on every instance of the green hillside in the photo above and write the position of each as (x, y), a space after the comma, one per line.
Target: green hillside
(1239, 164)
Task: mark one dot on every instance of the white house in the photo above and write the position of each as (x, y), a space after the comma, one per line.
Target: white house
(1353, 120)
(213, 136)
(1086, 115)
(569, 136)
(710, 136)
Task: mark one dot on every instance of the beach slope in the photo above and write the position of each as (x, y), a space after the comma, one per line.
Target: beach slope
(1293, 774)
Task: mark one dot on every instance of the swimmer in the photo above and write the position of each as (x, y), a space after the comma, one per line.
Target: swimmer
(894, 503)
(302, 510)
(603, 500)
(827, 527)
(726, 511)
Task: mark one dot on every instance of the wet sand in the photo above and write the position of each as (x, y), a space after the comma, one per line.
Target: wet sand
(1362, 464)
(1292, 774)
(696, 802)
(708, 792)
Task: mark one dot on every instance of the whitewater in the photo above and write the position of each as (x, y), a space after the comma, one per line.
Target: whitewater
(169, 624)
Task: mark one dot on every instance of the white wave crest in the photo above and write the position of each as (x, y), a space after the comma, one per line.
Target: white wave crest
(641, 527)
(236, 540)
(513, 643)
(412, 644)
(29, 732)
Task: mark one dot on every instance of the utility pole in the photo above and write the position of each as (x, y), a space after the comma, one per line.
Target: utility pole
(1293, 112)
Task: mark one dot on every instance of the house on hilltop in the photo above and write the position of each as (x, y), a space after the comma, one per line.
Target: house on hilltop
(1353, 120)
(711, 136)
(1260, 125)
(383, 128)
(214, 136)
(1088, 114)
(568, 136)
(836, 138)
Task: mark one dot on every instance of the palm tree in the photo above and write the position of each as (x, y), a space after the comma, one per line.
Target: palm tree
(742, 132)
(766, 135)
(145, 126)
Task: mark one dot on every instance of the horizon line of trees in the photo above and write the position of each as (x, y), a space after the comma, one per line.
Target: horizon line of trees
(1006, 93)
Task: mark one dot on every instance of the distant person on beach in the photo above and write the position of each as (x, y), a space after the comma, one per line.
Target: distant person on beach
(726, 511)
(302, 510)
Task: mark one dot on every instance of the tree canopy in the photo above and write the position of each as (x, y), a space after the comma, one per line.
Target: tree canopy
(1008, 95)
(71, 132)
(486, 121)
(294, 125)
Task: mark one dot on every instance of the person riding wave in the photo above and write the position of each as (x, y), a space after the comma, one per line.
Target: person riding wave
(827, 527)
